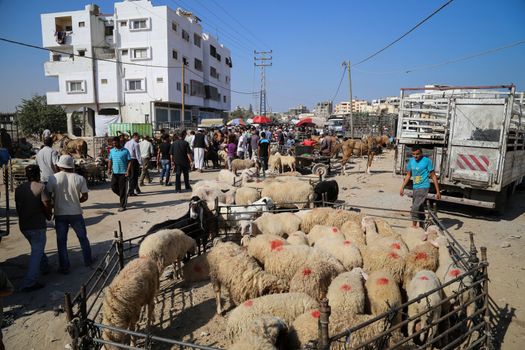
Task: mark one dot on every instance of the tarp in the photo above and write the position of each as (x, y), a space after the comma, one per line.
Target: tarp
(130, 128)
(236, 121)
(102, 123)
(261, 119)
(206, 123)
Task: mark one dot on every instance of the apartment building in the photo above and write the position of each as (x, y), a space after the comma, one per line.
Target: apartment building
(128, 66)
(358, 106)
(323, 109)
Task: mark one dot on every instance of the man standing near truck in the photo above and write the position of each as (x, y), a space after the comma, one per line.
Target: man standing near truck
(420, 170)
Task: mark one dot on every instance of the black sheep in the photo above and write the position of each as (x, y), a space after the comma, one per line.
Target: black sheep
(330, 187)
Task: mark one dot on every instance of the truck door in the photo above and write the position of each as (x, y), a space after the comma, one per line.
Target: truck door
(475, 142)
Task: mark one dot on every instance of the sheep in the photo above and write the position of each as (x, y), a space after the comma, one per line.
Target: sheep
(274, 163)
(346, 292)
(284, 260)
(286, 306)
(288, 161)
(246, 196)
(314, 277)
(339, 217)
(240, 215)
(226, 176)
(297, 238)
(330, 188)
(260, 246)
(167, 247)
(209, 191)
(320, 231)
(413, 236)
(281, 224)
(134, 287)
(423, 257)
(289, 194)
(264, 333)
(383, 293)
(196, 269)
(430, 308)
(249, 175)
(352, 232)
(314, 217)
(241, 164)
(384, 229)
(390, 258)
(247, 280)
(343, 250)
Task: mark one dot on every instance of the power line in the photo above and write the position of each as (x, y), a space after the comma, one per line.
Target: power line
(340, 82)
(115, 61)
(404, 35)
(451, 61)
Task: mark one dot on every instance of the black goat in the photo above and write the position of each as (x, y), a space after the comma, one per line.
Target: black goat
(330, 187)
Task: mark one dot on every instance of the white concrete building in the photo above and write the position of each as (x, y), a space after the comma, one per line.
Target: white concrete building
(127, 66)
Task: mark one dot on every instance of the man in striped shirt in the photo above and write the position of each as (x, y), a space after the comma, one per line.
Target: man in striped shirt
(120, 166)
(136, 162)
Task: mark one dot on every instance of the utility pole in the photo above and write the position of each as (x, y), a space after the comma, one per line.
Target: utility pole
(347, 64)
(183, 90)
(265, 61)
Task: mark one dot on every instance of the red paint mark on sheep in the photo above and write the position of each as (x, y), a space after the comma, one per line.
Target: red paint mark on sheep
(347, 242)
(395, 246)
(334, 229)
(393, 255)
(316, 314)
(248, 303)
(454, 272)
(198, 269)
(421, 256)
(276, 245)
(346, 287)
(382, 281)
(307, 272)
(423, 278)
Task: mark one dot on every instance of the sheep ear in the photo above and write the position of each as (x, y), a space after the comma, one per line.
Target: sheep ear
(365, 275)
(424, 237)
(434, 243)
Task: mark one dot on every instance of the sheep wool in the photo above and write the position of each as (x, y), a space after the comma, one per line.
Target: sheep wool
(260, 246)
(274, 163)
(383, 293)
(352, 231)
(346, 292)
(282, 224)
(291, 194)
(284, 260)
(379, 257)
(297, 238)
(413, 236)
(384, 229)
(196, 269)
(264, 333)
(286, 306)
(226, 176)
(320, 231)
(241, 164)
(339, 217)
(289, 162)
(423, 257)
(317, 216)
(314, 277)
(246, 196)
(134, 287)
(343, 250)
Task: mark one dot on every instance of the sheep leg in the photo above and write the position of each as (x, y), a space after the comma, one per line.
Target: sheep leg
(151, 312)
(217, 290)
(132, 327)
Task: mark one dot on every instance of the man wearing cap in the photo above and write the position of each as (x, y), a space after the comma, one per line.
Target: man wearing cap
(46, 159)
(199, 144)
(119, 165)
(33, 205)
(136, 161)
(69, 190)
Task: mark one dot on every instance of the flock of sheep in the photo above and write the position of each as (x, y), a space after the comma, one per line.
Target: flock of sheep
(287, 263)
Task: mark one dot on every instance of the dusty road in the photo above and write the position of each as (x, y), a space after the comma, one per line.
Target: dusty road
(31, 323)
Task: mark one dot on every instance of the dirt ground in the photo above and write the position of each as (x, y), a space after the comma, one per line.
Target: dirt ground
(188, 311)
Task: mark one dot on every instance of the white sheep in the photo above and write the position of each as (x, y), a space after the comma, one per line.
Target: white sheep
(281, 224)
(167, 247)
(346, 292)
(246, 196)
(241, 164)
(413, 236)
(286, 306)
(289, 162)
(424, 281)
(353, 232)
(314, 277)
(263, 333)
(226, 176)
(284, 260)
(260, 246)
(383, 293)
(291, 194)
(343, 250)
(338, 217)
(297, 238)
(134, 287)
(384, 229)
(274, 163)
(196, 269)
(310, 218)
(247, 280)
(422, 257)
(378, 257)
(320, 231)
(209, 191)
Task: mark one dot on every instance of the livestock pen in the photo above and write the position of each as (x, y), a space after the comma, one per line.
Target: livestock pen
(472, 331)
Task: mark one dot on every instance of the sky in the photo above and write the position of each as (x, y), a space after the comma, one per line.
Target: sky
(310, 40)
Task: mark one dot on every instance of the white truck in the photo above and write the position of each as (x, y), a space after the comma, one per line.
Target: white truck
(475, 136)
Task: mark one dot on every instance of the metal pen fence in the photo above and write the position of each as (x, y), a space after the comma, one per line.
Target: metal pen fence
(472, 331)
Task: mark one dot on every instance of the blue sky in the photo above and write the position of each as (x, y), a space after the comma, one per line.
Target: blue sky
(309, 40)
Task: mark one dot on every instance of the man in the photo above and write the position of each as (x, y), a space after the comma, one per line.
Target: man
(309, 141)
(200, 143)
(241, 145)
(5, 140)
(69, 190)
(419, 169)
(33, 206)
(119, 165)
(46, 133)
(327, 144)
(163, 159)
(6, 289)
(254, 144)
(180, 154)
(25, 149)
(136, 161)
(146, 152)
(263, 152)
(46, 159)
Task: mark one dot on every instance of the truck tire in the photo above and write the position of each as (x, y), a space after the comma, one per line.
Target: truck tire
(501, 201)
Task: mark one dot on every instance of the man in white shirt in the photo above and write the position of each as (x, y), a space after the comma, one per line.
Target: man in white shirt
(46, 159)
(146, 152)
(136, 161)
(69, 190)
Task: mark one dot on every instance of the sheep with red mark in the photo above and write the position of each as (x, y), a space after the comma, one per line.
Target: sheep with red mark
(346, 292)
(260, 246)
(353, 232)
(390, 258)
(384, 229)
(338, 217)
(281, 224)
(196, 269)
(319, 231)
(413, 236)
(247, 280)
(284, 260)
(383, 293)
(317, 216)
(424, 281)
(422, 257)
(343, 250)
(314, 277)
(263, 333)
(286, 306)
(297, 238)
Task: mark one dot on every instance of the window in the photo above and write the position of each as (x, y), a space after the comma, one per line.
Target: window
(174, 26)
(196, 88)
(178, 86)
(140, 54)
(227, 79)
(228, 61)
(138, 24)
(123, 24)
(186, 89)
(211, 92)
(174, 54)
(218, 57)
(108, 30)
(81, 24)
(103, 81)
(135, 85)
(197, 39)
(124, 52)
(213, 51)
(224, 99)
(213, 72)
(160, 79)
(75, 86)
(185, 61)
(198, 65)
(185, 35)
(82, 53)
(56, 57)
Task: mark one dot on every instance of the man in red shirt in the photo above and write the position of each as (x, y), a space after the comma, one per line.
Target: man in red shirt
(309, 141)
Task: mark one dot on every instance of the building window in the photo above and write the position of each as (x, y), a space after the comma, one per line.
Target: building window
(81, 24)
(123, 24)
(196, 88)
(124, 52)
(174, 54)
(213, 72)
(103, 81)
(179, 86)
(228, 61)
(160, 79)
(135, 85)
(213, 51)
(174, 26)
(185, 61)
(140, 54)
(198, 65)
(185, 35)
(197, 39)
(75, 86)
(56, 57)
(218, 57)
(81, 53)
(108, 30)
(224, 99)
(186, 89)
(138, 24)
(227, 79)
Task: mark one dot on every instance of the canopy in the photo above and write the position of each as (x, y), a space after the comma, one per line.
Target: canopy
(236, 121)
(311, 122)
(261, 119)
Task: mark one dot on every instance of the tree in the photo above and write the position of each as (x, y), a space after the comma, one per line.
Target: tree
(35, 115)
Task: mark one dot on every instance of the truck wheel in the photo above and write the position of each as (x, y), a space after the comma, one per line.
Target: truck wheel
(501, 201)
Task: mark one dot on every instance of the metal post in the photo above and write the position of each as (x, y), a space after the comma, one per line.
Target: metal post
(473, 258)
(324, 199)
(120, 250)
(486, 316)
(351, 103)
(324, 342)
(68, 305)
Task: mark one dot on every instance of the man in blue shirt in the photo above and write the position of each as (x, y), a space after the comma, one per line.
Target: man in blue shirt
(120, 165)
(420, 170)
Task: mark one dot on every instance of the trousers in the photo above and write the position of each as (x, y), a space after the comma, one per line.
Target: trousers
(119, 186)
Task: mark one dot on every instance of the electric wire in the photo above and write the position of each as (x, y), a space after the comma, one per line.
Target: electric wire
(340, 82)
